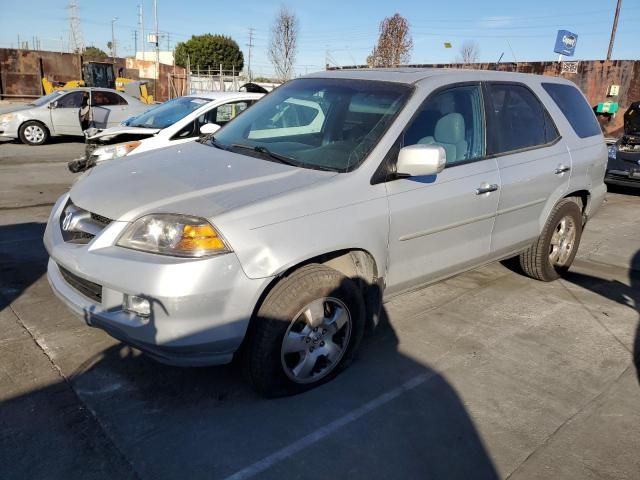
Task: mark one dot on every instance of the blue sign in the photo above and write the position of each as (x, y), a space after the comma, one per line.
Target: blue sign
(566, 43)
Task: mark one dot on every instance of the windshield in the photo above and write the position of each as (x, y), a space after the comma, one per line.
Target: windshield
(317, 123)
(47, 98)
(168, 113)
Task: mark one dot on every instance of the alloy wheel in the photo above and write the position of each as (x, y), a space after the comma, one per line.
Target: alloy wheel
(316, 340)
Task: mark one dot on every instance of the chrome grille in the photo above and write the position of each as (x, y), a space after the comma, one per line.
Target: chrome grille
(81, 226)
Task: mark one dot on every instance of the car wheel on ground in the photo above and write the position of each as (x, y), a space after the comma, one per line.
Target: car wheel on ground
(305, 332)
(553, 253)
(33, 133)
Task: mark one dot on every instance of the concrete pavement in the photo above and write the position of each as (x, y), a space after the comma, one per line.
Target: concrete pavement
(487, 375)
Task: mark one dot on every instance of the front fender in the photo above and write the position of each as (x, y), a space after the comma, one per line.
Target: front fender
(273, 249)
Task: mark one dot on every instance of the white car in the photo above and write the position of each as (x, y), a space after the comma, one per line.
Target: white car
(176, 121)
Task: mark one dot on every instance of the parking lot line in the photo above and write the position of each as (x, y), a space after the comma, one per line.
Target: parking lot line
(330, 428)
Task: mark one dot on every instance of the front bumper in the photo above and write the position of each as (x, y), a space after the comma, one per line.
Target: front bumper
(200, 308)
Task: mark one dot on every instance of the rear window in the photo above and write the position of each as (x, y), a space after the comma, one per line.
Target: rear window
(575, 109)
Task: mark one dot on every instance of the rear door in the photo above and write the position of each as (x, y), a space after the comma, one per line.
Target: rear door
(109, 108)
(533, 159)
(64, 114)
(442, 224)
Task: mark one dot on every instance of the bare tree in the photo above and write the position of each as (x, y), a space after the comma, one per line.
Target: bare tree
(469, 52)
(394, 43)
(283, 46)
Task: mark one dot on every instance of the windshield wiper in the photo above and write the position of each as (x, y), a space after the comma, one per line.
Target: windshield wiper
(265, 151)
(211, 140)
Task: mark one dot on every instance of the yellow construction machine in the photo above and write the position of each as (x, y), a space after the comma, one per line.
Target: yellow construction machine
(101, 74)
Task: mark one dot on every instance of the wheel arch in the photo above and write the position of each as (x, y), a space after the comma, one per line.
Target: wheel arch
(583, 199)
(357, 264)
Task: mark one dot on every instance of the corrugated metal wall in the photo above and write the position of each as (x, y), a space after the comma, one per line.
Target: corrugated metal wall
(21, 71)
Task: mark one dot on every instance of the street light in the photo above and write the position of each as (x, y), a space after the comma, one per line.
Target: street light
(113, 38)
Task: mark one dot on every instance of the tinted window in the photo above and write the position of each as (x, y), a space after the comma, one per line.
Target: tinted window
(107, 99)
(575, 108)
(519, 119)
(453, 119)
(70, 100)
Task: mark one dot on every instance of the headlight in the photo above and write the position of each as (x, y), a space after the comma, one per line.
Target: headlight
(612, 152)
(114, 151)
(176, 235)
(6, 118)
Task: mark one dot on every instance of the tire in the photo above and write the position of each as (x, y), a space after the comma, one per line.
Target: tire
(273, 356)
(33, 133)
(553, 253)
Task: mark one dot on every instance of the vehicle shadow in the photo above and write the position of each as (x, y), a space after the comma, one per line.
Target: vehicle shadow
(623, 190)
(618, 292)
(23, 259)
(119, 413)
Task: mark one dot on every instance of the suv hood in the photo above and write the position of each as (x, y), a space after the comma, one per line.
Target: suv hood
(111, 133)
(192, 179)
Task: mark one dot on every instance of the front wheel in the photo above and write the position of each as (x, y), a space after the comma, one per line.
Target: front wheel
(555, 249)
(305, 332)
(33, 133)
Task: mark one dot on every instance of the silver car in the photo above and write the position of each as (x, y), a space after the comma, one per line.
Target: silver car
(58, 114)
(286, 232)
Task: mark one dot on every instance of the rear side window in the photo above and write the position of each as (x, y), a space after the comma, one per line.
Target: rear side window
(519, 119)
(101, 98)
(575, 108)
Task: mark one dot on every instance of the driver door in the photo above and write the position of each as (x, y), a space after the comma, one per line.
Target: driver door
(64, 114)
(442, 224)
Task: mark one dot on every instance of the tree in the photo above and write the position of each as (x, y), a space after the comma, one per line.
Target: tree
(394, 43)
(209, 51)
(283, 46)
(94, 53)
(469, 52)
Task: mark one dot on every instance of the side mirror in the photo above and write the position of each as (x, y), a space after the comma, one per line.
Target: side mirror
(421, 160)
(209, 128)
(53, 104)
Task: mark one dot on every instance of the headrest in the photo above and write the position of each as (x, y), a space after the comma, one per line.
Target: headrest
(450, 129)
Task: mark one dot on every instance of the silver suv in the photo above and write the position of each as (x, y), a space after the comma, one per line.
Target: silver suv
(286, 232)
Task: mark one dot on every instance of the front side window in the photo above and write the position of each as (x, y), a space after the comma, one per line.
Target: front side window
(454, 119)
(225, 113)
(168, 113)
(575, 108)
(70, 100)
(323, 123)
(519, 119)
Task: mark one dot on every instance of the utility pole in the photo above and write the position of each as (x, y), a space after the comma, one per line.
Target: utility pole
(613, 30)
(135, 42)
(157, 42)
(141, 23)
(250, 45)
(113, 39)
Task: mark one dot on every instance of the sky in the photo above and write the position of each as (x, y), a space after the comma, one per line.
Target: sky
(341, 32)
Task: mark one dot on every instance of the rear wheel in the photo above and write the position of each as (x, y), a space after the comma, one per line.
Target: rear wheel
(306, 331)
(555, 249)
(33, 133)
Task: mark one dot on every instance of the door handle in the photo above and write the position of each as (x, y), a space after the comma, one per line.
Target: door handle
(561, 169)
(486, 189)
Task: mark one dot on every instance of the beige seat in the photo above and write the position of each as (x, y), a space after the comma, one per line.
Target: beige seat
(449, 133)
